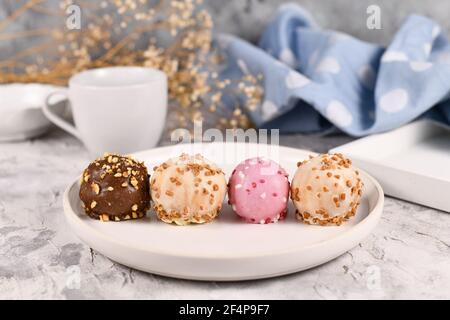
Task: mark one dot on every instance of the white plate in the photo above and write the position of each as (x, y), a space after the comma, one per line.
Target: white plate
(227, 248)
(411, 163)
(21, 116)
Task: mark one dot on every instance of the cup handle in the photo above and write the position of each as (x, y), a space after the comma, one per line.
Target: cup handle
(60, 122)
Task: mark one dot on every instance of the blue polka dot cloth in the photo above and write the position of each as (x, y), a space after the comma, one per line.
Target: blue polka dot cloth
(317, 81)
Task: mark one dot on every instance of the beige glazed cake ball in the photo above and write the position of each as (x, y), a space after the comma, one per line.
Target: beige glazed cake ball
(326, 190)
(187, 189)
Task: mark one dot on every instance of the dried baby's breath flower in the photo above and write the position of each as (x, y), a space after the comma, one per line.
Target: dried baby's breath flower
(174, 36)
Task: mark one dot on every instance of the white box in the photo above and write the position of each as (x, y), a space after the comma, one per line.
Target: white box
(411, 163)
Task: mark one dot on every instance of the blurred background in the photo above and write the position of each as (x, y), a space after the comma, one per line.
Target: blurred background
(247, 18)
(37, 46)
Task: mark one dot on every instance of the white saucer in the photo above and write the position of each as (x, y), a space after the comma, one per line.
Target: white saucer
(226, 249)
(21, 115)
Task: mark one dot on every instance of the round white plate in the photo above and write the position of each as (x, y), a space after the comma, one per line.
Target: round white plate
(227, 248)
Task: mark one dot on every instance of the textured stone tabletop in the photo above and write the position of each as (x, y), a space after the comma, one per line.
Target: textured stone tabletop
(407, 256)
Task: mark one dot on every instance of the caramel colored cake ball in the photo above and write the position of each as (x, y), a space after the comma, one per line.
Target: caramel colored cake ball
(188, 189)
(115, 188)
(326, 190)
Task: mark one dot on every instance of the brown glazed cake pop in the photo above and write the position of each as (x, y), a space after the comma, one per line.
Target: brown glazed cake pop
(115, 188)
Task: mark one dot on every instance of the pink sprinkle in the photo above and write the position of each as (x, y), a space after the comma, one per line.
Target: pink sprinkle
(274, 194)
(262, 181)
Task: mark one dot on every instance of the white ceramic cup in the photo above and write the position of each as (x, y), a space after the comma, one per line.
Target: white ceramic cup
(115, 109)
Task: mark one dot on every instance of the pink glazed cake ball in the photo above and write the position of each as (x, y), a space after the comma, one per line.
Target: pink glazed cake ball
(258, 191)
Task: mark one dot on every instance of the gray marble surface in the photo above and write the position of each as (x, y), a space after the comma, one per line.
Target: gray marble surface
(407, 256)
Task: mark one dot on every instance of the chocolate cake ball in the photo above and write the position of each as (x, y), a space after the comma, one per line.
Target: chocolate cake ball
(115, 188)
